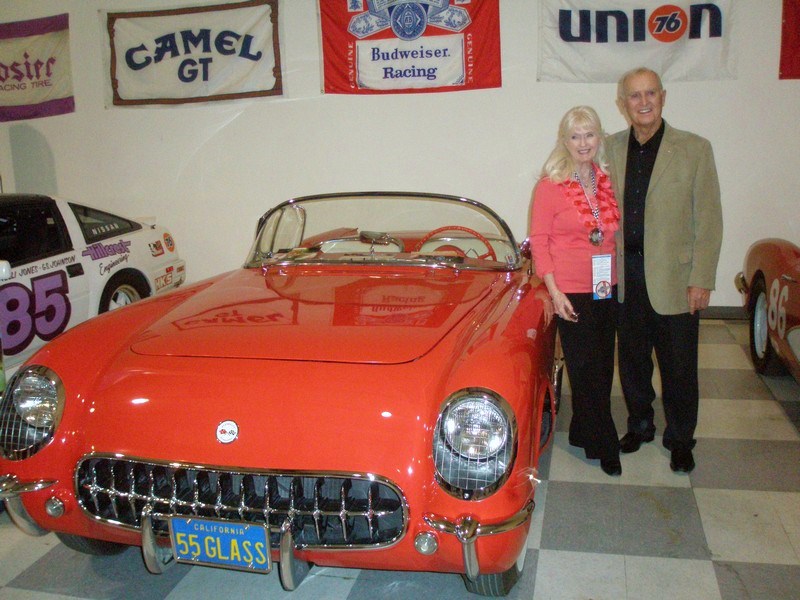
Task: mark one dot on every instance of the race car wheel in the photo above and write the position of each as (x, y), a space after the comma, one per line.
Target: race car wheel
(764, 359)
(90, 545)
(122, 289)
(498, 584)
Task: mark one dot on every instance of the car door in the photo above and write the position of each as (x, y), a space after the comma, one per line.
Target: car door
(44, 289)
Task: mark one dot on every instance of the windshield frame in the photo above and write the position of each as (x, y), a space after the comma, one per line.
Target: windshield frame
(287, 257)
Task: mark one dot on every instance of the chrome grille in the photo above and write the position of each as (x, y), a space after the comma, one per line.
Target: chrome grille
(327, 510)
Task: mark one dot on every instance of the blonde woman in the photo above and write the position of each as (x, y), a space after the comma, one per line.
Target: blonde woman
(573, 220)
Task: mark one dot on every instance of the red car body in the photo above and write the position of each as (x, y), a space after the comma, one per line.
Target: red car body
(306, 394)
(770, 285)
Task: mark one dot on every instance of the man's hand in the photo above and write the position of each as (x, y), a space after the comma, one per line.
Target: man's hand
(698, 299)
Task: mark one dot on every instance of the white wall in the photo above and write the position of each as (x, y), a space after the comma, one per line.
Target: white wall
(208, 171)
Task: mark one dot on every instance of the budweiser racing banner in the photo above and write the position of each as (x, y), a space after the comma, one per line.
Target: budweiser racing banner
(35, 69)
(198, 54)
(587, 41)
(401, 46)
(790, 40)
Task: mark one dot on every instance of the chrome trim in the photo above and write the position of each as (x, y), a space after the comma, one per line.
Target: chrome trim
(11, 487)
(467, 530)
(182, 507)
(291, 570)
(741, 283)
(157, 558)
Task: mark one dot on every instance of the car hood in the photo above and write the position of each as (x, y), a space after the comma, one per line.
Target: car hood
(357, 315)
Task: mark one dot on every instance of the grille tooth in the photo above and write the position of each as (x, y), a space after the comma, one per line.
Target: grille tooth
(327, 510)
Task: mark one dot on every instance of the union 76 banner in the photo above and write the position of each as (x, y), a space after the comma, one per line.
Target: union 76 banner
(35, 69)
(402, 46)
(197, 54)
(596, 42)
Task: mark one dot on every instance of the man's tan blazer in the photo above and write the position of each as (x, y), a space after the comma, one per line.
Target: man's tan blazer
(683, 218)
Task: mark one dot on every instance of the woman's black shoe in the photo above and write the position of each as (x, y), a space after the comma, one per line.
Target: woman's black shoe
(611, 466)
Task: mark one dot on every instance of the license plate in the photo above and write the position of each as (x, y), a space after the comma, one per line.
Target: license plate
(199, 541)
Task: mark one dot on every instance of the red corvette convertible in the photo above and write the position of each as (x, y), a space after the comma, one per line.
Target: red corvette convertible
(373, 389)
(770, 284)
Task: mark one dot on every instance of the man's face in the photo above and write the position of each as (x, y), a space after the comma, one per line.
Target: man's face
(643, 101)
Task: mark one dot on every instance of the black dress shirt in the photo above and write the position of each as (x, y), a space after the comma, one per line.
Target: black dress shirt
(639, 168)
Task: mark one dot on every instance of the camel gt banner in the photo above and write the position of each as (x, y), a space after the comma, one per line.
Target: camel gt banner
(584, 41)
(35, 69)
(200, 54)
(401, 46)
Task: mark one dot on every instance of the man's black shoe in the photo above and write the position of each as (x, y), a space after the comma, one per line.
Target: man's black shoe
(631, 441)
(611, 466)
(682, 460)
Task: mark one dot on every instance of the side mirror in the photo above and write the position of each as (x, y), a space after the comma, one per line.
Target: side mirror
(5, 270)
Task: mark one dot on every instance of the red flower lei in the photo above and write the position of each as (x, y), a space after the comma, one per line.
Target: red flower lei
(605, 201)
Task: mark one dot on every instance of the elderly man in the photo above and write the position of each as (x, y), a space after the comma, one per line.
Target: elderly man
(667, 253)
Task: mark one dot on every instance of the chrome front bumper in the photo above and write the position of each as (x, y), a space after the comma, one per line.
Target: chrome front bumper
(467, 530)
(11, 489)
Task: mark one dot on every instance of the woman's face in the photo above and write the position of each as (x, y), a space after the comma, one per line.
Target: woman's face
(582, 143)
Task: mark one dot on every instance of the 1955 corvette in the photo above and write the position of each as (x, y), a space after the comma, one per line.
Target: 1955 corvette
(373, 389)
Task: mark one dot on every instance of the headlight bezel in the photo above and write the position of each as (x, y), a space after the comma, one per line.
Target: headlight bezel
(479, 476)
(29, 435)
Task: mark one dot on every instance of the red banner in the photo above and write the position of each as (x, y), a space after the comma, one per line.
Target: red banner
(398, 46)
(790, 40)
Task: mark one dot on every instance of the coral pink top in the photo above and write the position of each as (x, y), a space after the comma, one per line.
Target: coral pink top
(561, 220)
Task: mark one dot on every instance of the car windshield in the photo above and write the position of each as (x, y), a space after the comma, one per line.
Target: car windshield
(386, 228)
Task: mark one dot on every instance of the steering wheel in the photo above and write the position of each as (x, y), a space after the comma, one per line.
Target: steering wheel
(472, 232)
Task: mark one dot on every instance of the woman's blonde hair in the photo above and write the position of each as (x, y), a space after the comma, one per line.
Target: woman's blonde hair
(560, 166)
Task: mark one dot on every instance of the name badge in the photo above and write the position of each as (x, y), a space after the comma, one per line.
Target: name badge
(601, 276)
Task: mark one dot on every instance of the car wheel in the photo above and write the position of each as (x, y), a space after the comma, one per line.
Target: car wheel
(498, 584)
(764, 359)
(90, 545)
(123, 288)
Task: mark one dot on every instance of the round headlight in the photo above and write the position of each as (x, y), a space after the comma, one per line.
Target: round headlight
(475, 429)
(30, 410)
(35, 398)
(474, 443)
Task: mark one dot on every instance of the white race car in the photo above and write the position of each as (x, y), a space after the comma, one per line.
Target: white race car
(61, 263)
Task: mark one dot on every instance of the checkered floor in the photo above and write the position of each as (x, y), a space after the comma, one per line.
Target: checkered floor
(730, 530)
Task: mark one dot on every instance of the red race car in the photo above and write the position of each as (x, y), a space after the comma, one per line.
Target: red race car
(373, 389)
(770, 284)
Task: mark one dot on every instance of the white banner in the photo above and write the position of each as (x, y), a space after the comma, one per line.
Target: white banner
(682, 41)
(195, 54)
(35, 69)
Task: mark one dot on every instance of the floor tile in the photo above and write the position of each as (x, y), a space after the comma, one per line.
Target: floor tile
(205, 582)
(742, 384)
(716, 332)
(123, 576)
(723, 356)
(744, 419)
(19, 551)
(670, 579)
(622, 519)
(747, 526)
(563, 575)
(747, 464)
(748, 581)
